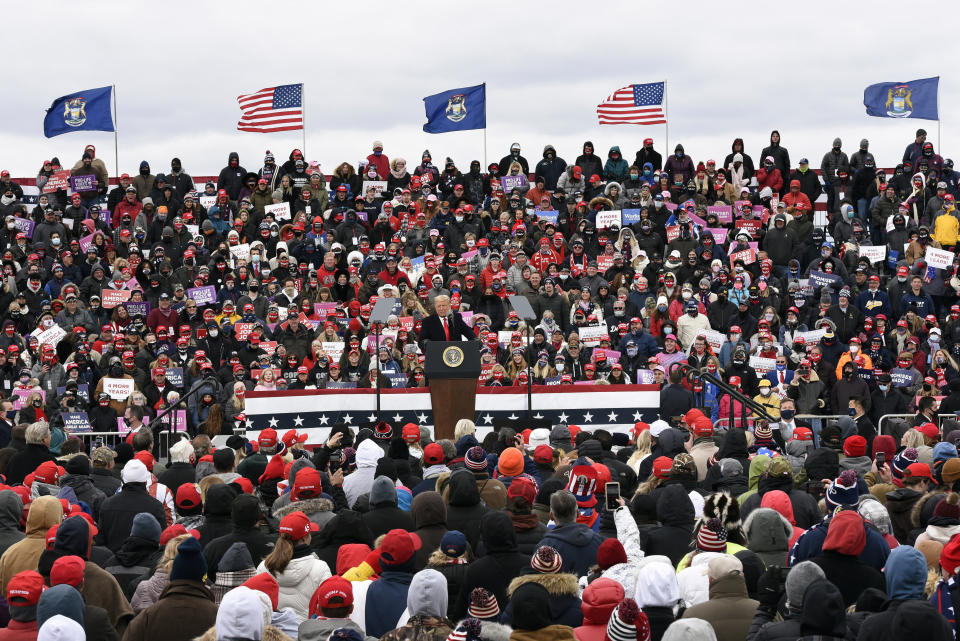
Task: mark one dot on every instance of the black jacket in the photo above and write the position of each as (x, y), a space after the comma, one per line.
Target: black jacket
(851, 575)
(385, 517)
(117, 512)
(216, 513)
(105, 481)
(137, 557)
(676, 515)
(465, 510)
(675, 400)
(259, 542)
(913, 619)
(177, 474)
(26, 461)
(493, 571)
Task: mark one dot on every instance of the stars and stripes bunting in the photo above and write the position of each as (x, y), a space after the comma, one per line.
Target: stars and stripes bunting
(314, 412)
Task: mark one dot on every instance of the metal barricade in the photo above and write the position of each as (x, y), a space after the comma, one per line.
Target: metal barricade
(163, 441)
(888, 417)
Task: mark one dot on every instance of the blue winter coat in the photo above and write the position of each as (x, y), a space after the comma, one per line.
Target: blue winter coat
(577, 545)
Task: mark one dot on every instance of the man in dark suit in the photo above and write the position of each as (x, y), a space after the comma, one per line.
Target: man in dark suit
(675, 399)
(444, 325)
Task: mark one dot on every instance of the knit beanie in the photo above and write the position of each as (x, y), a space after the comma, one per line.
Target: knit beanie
(712, 537)
(146, 527)
(511, 462)
(467, 630)
(546, 560)
(628, 623)
(189, 564)
(610, 553)
(931, 551)
(902, 461)
(843, 491)
(483, 605)
(949, 507)
(762, 431)
(476, 459)
(950, 557)
(800, 576)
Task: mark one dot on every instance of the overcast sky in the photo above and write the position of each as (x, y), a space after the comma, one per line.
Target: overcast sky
(732, 70)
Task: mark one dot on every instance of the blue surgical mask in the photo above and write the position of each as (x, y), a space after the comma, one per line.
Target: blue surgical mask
(851, 412)
(882, 388)
(781, 368)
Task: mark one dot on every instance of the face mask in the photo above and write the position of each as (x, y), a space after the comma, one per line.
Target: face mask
(781, 368)
(854, 349)
(851, 412)
(768, 317)
(765, 391)
(941, 361)
(661, 308)
(848, 374)
(686, 295)
(787, 414)
(734, 338)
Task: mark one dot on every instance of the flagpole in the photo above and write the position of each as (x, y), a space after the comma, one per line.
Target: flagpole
(303, 117)
(666, 123)
(939, 143)
(485, 125)
(116, 146)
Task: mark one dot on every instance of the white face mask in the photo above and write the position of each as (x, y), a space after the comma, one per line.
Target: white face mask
(686, 295)
(560, 367)
(765, 391)
(213, 333)
(854, 349)
(768, 317)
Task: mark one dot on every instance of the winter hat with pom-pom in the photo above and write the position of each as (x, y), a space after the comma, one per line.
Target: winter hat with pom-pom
(949, 507)
(843, 491)
(467, 630)
(610, 553)
(902, 461)
(712, 537)
(628, 623)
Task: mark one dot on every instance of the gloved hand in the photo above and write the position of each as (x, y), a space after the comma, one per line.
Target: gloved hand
(770, 587)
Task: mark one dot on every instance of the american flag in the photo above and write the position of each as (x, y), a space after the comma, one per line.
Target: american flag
(272, 109)
(634, 105)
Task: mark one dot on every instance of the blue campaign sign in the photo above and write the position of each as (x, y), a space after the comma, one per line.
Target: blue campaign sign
(397, 380)
(630, 216)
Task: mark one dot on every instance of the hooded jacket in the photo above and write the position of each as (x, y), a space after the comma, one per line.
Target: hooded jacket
(564, 599)
(616, 169)
(465, 509)
(498, 566)
(426, 610)
(11, 509)
(768, 535)
(676, 515)
(299, 580)
(45, 512)
(361, 480)
(245, 514)
(429, 517)
(600, 598)
(137, 557)
(344, 529)
(729, 610)
(384, 515)
(845, 541)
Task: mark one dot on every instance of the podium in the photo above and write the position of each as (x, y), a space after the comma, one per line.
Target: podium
(452, 369)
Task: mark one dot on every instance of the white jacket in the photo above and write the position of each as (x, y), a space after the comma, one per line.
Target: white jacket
(298, 582)
(360, 481)
(629, 536)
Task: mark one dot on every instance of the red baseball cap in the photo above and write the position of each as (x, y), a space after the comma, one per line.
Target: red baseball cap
(433, 454)
(335, 592)
(25, 588)
(267, 438)
(411, 433)
(176, 530)
(188, 497)
(297, 525)
(290, 436)
(523, 487)
(146, 458)
(662, 466)
(929, 430)
(919, 470)
(802, 434)
(308, 484)
(399, 546)
(47, 472)
(68, 570)
(542, 454)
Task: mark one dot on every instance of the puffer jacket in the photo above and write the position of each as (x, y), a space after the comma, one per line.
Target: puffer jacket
(599, 600)
(148, 592)
(11, 509)
(299, 580)
(768, 535)
(564, 599)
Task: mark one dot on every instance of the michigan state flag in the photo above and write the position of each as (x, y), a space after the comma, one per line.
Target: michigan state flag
(914, 99)
(456, 110)
(87, 110)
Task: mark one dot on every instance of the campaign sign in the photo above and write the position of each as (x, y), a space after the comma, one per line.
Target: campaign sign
(397, 380)
(58, 181)
(590, 336)
(270, 347)
(202, 295)
(509, 183)
(748, 256)
(630, 216)
(714, 338)
(24, 225)
(118, 388)
(324, 309)
(548, 215)
(875, 253)
(606, 219)
(406, 322)
(604, 263)
(333, 349)
(724, 213)
(141, 308)
(673, 232)
(645, 377)
(821, 279)
(762, 364)
(20, 396)
(242, 330)
(379, 186)
(341, 385)
(553, 380)
(85, 242)
(175, 376)
(719, 234)
(280, 211)
(901, 377)
(613, 356)
(240, 252)
(83, 391)
(51, 336)
(751, 226)
(175, 421)
(86, 182)
(76, 422)
(938, 258)
(110, 298)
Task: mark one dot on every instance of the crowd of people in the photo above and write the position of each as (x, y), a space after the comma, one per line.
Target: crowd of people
(829, 296)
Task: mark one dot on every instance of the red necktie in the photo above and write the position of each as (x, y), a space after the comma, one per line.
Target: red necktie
(782, 376)
(446, 328)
